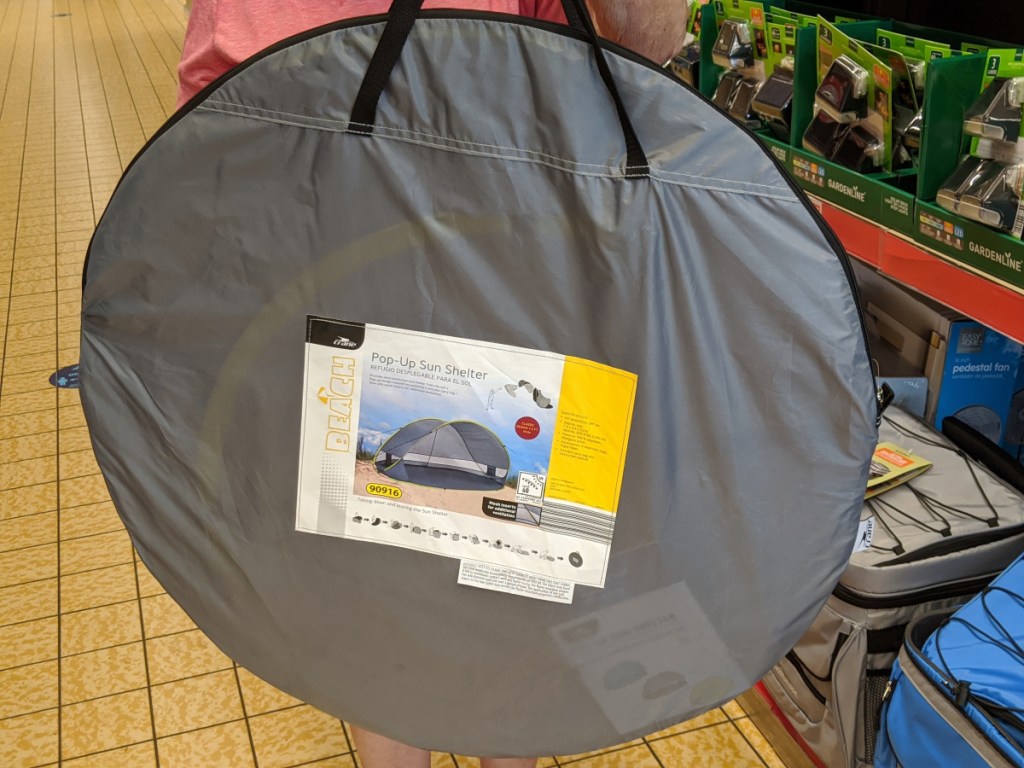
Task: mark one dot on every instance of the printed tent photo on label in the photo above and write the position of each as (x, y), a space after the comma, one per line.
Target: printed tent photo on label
(457, 455)
(504, 181)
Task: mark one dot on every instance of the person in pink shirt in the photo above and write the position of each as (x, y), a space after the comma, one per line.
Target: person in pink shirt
(223, 33)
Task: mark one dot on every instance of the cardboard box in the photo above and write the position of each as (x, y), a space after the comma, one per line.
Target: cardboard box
(909, 385)
(979, 370)
(970, 369)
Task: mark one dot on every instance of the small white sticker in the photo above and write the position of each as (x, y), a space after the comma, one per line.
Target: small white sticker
(865, 533)
(514, 582)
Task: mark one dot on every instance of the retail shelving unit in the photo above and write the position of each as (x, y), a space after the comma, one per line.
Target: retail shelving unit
(927, 272)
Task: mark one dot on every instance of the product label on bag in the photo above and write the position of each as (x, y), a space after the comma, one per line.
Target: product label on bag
(498, 455)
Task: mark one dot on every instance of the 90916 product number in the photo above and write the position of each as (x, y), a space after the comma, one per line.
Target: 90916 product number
(387, 491)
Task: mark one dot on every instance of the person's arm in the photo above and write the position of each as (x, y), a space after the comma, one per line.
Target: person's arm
(652, 28)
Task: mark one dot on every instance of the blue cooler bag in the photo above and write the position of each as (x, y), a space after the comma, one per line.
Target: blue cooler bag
(956, 697)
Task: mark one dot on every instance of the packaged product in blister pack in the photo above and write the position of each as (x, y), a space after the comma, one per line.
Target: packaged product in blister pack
(988, 185)
(741, 49)
(909, 58)
(853, 104)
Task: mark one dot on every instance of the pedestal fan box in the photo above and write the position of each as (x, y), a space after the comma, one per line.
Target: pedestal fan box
(978, 372)
(970, 368)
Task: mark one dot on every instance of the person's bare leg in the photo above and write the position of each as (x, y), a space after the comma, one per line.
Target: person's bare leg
(376, 751)
(508, 762)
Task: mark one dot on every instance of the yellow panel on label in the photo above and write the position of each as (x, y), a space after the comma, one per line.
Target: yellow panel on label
(589, 452)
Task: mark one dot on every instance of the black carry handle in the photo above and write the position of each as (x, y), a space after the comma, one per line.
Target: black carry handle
(403, 15)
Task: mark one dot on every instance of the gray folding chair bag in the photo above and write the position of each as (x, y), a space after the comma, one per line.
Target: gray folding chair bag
(490, 200)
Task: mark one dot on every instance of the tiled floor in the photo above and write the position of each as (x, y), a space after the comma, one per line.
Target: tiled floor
(98, 666)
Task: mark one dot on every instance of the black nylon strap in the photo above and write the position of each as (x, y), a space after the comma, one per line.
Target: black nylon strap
(636, 159)
(572, 15)
(403, 15)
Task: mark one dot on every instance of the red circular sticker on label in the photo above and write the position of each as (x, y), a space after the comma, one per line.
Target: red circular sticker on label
(527, 428)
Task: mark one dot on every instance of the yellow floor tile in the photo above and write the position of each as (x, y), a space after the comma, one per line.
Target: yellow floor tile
(70, 309)
(30, 500)
(26, 602)
(222, 746)
(102, 673)
(28, 531)
(75, 439)
(196, 702)
(89, 520)
(162, 616)
(97, 628)
(714, 717)
(186, 654)
(714, 747)
(40, 328)
(27, 689)
(32, 288)
(26, 402)
(759, 743)
(584, 755)
(633, 757)
(92, 589)
(78, 464)
(33, 423)
(107, 723)
(148, 585)
(71, 416)
(69, 397)
(92, 552)
(33, 346)
(28, 642)
(261, 697)
(294, 736)
(32, 314)
(19, 474)
(342, 761)
(34, 304)
(24, 565)
(734, 710)
(29, 740)
(28, 447)
(136, 756)
(77, 491)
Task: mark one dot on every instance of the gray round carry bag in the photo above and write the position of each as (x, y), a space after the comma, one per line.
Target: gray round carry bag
(626, 353)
